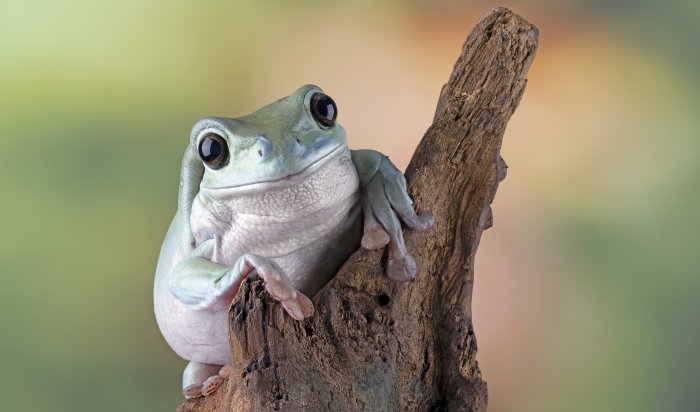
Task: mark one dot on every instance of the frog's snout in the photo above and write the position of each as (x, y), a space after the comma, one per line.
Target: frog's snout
(290, 148)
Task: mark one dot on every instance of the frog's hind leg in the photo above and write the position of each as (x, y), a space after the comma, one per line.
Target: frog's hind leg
(201, 379)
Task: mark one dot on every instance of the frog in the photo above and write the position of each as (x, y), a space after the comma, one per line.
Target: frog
(279, 194)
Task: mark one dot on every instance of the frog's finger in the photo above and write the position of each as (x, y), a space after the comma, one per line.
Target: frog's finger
(226, 370)
(376, 199)
(395, 190)
(373, 236)
(279, 286)
(276, 283)
(299, 307)
(194, 376)
(192, 391)
(292, 307)
(211, 384)
(400, 265)
(401, 268)
(307, 308)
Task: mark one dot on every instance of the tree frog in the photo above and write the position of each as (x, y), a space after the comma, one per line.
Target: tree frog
(277, 193)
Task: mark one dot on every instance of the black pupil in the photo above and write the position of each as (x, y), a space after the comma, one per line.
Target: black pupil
(323, 109)
(212, 150)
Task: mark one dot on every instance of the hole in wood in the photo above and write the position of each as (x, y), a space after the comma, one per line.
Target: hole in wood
(383, 299)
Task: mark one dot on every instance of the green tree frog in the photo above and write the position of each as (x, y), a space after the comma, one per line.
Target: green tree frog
(277, 193)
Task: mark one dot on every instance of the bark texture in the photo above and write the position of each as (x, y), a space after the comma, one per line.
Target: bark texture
(375, 344)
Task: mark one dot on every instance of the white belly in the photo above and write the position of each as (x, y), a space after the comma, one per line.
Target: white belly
(309, 228)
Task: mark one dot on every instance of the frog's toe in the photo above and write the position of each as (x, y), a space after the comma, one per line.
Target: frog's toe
(403, 205)
(279, 289)
(192, 391)
(307, 308)
(374, 237)
(401, 268)
(299, 307)
(293, 308)
(279, 286)
(276, 283)
(194, 375)
(211, 384)
(420, 221)
(226, 370)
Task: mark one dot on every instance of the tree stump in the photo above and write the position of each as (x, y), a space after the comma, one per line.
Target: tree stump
(375, 344)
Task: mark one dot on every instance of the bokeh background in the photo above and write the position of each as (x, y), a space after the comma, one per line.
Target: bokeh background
(587, 288)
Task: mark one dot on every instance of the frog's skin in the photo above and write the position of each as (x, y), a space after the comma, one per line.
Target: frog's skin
(291, 204)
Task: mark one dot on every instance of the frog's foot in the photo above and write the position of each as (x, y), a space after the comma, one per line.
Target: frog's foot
(192, 391)
(385, 200)
(213, 382)
(197, 376)
(278, 285)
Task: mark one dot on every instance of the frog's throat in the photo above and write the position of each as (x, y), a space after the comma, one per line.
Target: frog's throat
(276, 184)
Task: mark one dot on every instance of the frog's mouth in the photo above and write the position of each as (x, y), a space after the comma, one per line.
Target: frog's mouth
(280, 182)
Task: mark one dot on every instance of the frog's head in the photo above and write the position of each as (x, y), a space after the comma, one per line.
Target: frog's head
(281, 140)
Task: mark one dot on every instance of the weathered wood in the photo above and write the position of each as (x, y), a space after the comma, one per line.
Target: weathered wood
(375, 344)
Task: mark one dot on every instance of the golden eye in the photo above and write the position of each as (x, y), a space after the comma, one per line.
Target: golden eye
(214, 151)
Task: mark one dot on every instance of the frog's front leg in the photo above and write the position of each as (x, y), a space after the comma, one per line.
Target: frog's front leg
(201, 284)
(384, 200)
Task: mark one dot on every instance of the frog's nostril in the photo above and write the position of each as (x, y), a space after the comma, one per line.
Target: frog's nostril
(298, 142)
(264, 146)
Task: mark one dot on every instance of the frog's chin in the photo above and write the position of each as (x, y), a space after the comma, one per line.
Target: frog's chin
(278, 183)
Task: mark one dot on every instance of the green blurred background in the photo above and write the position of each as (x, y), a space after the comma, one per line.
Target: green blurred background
(587, 288)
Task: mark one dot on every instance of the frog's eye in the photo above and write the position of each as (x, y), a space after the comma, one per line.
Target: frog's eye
(214, 151)
(323, 109)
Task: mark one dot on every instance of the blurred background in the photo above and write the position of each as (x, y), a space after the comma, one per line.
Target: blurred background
(587, 288)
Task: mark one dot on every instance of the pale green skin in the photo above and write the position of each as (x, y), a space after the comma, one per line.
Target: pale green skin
(291, 189)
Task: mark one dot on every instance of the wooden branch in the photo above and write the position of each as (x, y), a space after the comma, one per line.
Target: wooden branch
(375, 344)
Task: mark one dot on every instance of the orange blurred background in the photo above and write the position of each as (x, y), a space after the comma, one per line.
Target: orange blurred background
(586, 289)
